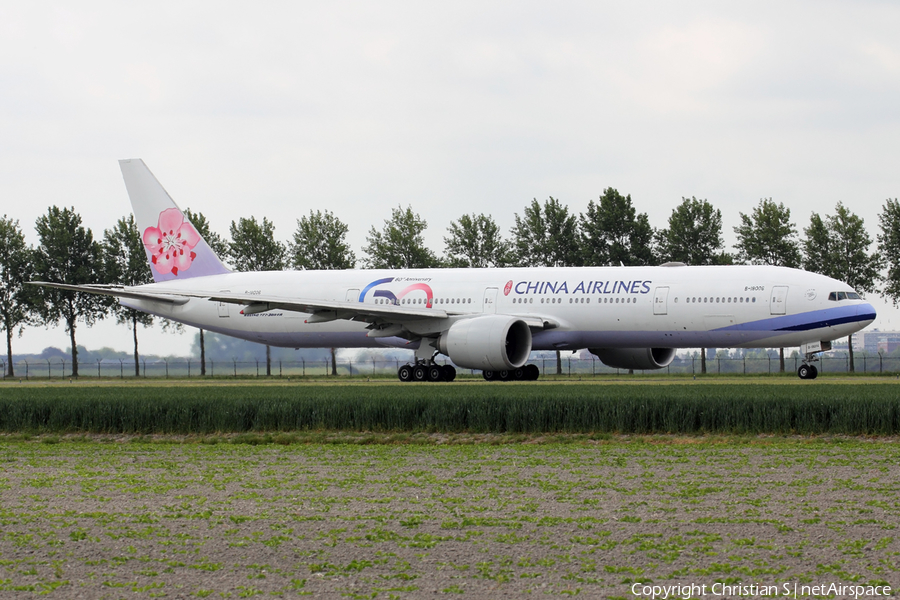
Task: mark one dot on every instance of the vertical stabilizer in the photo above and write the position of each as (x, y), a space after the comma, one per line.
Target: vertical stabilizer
(174, 248)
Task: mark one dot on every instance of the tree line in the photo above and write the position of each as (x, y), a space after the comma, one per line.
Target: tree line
(610, 232)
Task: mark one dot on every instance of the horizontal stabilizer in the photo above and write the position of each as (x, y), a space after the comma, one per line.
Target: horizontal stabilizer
(116, 291)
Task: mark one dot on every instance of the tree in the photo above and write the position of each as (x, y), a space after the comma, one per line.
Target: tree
(253, 247)
(125, 263)
(694, 234)
(694, 237)
(320, 243)
(613, 233)
(212, 239)
(220, 247)
(838, 247)
(67, 253)
(767, 237)
(546, 236)
(889, 247)
(16, 308)
(400, 244)
(474, 241)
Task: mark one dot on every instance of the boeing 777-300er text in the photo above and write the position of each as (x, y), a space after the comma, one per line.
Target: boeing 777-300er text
(487, 319)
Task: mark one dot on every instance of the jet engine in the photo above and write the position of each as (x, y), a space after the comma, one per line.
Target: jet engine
(489, 342)
(635, 358)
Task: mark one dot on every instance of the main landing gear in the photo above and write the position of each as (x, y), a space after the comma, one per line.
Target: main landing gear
(426, 372)
(523, 373)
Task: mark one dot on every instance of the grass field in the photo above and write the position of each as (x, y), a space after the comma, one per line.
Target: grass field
(849, 406)
(473, 519)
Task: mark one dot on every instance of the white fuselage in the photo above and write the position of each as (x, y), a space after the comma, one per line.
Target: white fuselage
(589, 307)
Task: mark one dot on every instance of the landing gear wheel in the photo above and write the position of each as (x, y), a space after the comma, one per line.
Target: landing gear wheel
(419, 373)
(449, 372)
(404, 373)
(804, 372)
(533, 372)
(520, 374)
(435, 373)
(814, 371)
(489, 375)
(504, 375)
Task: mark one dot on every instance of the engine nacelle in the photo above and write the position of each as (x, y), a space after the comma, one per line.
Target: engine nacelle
(635, 358)
(489, 342)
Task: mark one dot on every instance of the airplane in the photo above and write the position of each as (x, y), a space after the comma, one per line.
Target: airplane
(483, 319)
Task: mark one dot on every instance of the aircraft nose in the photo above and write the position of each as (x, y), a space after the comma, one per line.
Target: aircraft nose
(866, 311)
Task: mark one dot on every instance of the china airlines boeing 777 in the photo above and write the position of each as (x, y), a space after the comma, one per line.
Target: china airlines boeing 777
(488, 319)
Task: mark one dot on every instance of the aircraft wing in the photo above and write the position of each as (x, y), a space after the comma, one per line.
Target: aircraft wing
(320, 311)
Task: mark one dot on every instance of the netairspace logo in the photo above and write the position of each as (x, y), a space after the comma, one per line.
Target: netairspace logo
(755, 590)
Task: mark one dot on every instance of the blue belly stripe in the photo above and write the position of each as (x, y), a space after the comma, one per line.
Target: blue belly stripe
(817, 319)
(829, 322)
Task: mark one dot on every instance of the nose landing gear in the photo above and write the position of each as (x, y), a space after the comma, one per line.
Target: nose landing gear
(807, 371)
(810, 352)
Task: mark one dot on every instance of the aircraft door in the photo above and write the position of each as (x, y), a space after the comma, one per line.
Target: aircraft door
(223, 306)
(353, 295)
(489, 305)
(778, 303)
(661, 301)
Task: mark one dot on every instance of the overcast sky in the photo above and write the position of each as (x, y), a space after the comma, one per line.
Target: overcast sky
(274, 109)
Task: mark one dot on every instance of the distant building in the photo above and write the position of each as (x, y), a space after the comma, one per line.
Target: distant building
(873, 342)
(881, 341)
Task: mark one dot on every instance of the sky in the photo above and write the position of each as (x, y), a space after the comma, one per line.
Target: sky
(275, 109)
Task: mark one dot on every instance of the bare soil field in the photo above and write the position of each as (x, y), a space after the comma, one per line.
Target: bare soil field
(443, 517)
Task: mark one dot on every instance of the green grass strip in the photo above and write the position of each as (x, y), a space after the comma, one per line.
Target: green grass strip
(870, 409)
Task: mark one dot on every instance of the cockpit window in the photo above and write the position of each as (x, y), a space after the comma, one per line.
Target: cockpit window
(834, 296)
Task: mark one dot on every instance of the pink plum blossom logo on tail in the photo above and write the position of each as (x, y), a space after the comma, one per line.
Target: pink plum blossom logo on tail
(171, 243)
